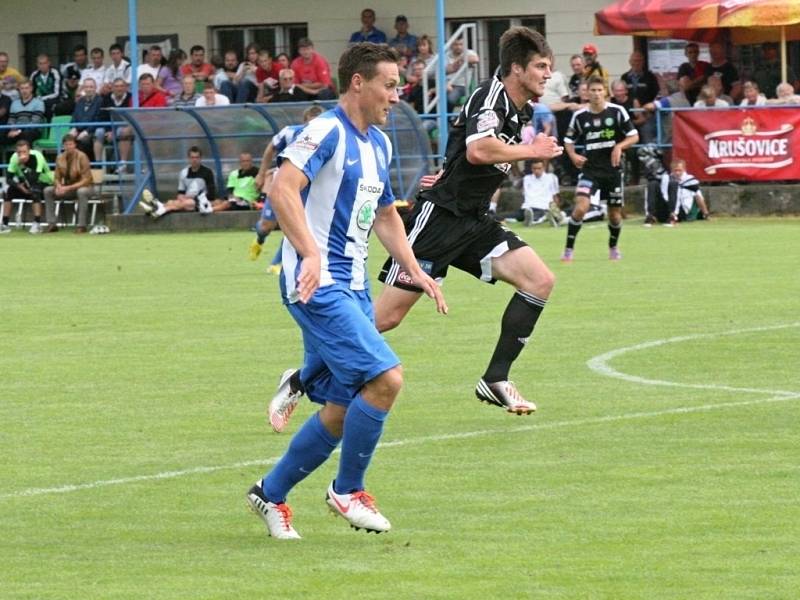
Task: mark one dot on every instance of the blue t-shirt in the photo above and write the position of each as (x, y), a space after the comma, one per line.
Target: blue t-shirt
(348, 174)
(376, 36)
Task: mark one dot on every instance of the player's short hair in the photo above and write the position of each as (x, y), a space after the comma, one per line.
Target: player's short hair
(194, 150)
(595, 80)
(312, 112)
(363, 59)
(518, 45)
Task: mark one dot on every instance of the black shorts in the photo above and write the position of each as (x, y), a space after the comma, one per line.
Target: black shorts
(605, 188)
(441, 239)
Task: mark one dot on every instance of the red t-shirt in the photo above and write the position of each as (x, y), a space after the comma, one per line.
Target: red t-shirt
(261, 74)
(206, 69)
(316, 71)
(157, 99)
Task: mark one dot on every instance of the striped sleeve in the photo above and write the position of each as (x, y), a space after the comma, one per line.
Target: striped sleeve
(485, 112)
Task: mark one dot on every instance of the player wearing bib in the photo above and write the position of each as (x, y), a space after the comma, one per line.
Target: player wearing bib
(332, 189)
(606, 131)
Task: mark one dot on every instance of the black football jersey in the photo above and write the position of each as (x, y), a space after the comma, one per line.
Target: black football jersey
(465, 188)
(599, 133)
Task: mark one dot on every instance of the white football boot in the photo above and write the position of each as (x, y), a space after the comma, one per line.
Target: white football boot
(358, 509)
(277, 517)
(505, 395)
(283, 402)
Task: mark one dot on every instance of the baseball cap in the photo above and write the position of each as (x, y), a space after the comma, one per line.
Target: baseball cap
(400, 18)
(589, 49)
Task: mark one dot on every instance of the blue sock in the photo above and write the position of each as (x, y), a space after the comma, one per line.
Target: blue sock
(363, 425)
(310, 447)
(276, 260)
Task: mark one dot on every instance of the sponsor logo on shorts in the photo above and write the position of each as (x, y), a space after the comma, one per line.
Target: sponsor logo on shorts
(426, 265)
(582, 189)
(404, 278)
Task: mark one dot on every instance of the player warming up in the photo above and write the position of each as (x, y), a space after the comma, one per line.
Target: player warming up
(331, 190)
(449, 225)
(607, 131)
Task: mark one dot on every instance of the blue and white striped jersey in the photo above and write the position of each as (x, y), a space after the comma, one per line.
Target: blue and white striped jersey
(285, 137)
(348, 175)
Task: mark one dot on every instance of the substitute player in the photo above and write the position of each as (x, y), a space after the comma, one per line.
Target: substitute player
(607, 131)
(449, 225)
(267, 222)
(331, 190)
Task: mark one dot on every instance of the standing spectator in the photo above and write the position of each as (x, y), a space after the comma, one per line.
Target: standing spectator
(287, 90)
(27, 175)
(368, 33)
(768, 73)
(188, 95)
(196, 190)
(621, 97)
(722, 68)
(87, 110)
(695, 70)
(46, 83)
(210, 97)
(96, 70)
(73, 181)
(6, 71)
(312, 72)
(169, 79)
(149, 95)
(241, 187)
(404, 42)
(642, 83)
(457, 80)
(198, 66)
(752, 95)
(578, 69)
(118, 69)
(153, 63)
(80, 61)
(27, 110)
(119, 97)
(592, 65)
(225, 78)
(708, 98)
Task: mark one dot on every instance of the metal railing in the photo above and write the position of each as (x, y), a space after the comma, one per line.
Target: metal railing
(432, 72)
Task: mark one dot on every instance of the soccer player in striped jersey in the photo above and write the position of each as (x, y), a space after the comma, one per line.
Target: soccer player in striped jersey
(450, 224)
(606, 130)
(267, 223)
(332, 189)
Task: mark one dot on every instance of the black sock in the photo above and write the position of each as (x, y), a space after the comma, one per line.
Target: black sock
(519, 319)
(613, 234)
(573, 228)
(295, 385)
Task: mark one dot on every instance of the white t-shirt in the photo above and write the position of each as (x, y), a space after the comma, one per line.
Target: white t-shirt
(555, 89)
(99, 76)
(538, 192)
(718, 103)
(219, 100)
(146, 68)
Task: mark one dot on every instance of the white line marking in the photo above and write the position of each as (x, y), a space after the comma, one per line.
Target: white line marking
(597, 364)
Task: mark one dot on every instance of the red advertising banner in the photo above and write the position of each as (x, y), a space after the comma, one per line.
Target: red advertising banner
(737, 144)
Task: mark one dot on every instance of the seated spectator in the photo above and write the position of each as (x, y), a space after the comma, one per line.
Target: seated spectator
(404, 42)
(80, 61)
(695, 70)
(457, 80)
(730, 88)
(652, 161)
(283, 61)
(752, 95)
(210, 97)
(225, 78)
(708, 98)
(242, 190)
(70, 87)
(6, 71)
(46, 83)
(9, 88)
(675, 100)
(715, 81)
(312, 72)
(621, 96)
(96, 70)
(149, 95)
(196, 190)
(152, 64)
(119, 97)
(27, 175)
(414, 93)
(5, 112)
(287, 90)
(118, 69)
(198, 66)
(642, 83)
(245, 80)
(785, 95)
(540, 197)
(424, 50)
(368, 32)
(188, 95)
(87, 110)
(28, 110)
(591, 65)
(170, 77)
(73, 181)
(681, 193)
(267, 74)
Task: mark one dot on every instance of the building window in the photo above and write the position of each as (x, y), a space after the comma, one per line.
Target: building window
(275, 38)
(489, 31)
(58, 46)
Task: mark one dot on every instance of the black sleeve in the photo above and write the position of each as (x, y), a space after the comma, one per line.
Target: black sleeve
(485, 112)
(211, 187)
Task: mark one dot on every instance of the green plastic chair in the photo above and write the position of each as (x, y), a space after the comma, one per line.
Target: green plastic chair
(59, 127)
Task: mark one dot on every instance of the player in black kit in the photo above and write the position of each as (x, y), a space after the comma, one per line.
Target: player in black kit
(607, 131)
(449, 225)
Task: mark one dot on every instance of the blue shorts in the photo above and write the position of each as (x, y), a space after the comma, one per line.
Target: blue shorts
(343, 350)
(266, 211)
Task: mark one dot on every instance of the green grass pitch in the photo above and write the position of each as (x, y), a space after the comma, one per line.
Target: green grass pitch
(662, 463)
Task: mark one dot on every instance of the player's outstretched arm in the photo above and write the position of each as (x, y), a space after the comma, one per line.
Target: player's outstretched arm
(389, 228)
(490, 150)
(288, 205)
